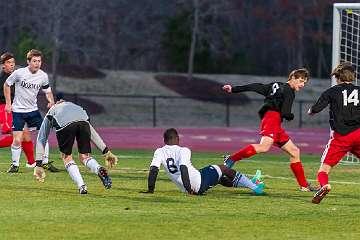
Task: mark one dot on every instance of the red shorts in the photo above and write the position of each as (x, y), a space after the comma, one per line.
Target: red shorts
(339, 145)
(5, 120)
(271, 127)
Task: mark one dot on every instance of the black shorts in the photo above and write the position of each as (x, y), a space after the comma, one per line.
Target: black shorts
(76, 130)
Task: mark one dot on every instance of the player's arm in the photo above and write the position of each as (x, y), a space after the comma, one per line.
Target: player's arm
(320, 104)
(7, 90)
(288, 99)
(110, 159)
(154, 170)
(48, 93)
(185, 160)
(41, 140)
(253, 87)
(186, 179)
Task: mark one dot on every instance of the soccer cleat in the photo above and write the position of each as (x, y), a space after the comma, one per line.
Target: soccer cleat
(105, 179)
(319, 195)
(309, 188)
(30, 165)
(49, 166)
(83, 189)
(228, 162)
(13, 169)
(259, 190)
(257, 177)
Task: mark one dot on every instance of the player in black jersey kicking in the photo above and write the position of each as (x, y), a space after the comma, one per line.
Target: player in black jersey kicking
(277, 106)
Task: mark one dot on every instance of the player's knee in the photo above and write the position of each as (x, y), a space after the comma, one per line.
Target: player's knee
(262, 148)
(295, 152)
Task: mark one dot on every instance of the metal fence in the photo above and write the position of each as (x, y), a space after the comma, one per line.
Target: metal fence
(164, 111)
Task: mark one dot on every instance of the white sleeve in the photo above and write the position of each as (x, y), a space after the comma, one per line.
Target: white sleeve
(157, 159)
(12, 78)
(42, 138)
(46, 86)
(185, 158)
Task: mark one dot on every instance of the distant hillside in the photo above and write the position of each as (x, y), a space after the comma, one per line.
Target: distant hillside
(132, 111)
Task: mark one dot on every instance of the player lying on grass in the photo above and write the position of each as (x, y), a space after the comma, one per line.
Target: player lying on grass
(72, 122)
(177, 163)
(277, 106)
(344, 113)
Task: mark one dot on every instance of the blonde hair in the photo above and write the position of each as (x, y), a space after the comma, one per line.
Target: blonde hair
(33, 53)
(345, 72)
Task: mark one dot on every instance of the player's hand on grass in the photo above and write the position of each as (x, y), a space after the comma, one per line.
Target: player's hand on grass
(110, 159)
(39, 174)
(227, 88)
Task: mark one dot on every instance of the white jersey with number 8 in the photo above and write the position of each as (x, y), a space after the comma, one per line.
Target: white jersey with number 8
(171, 157)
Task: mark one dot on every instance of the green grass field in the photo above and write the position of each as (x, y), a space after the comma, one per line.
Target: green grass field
(55, 210)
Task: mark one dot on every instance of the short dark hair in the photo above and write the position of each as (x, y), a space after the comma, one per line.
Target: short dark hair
(345, 72)
(6, 56)
(298, 73)
(170, 134)
(33, 53)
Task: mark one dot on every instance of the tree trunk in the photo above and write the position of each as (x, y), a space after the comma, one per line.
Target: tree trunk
(193, 40)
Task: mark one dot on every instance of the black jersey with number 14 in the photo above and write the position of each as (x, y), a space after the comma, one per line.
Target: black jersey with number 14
(344, 107)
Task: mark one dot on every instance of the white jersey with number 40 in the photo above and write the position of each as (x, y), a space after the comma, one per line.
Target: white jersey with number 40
(171, 157)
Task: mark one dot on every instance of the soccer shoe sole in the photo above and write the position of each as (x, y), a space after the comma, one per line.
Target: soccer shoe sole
(319, 195)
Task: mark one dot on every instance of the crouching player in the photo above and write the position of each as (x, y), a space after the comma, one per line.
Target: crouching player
(344, 113)
(72, 122)
(177, 163)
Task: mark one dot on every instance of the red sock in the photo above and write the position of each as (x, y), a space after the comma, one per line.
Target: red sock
(298, 171)
(6, 141)
(246, 152)
(28, 148)
(323, 178)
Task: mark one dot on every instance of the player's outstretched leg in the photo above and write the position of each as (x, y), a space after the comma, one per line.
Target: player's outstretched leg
(239, 180)
(246, 152)
(96, 168)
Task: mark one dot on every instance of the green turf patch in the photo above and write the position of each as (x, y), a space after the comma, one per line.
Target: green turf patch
(55, 210)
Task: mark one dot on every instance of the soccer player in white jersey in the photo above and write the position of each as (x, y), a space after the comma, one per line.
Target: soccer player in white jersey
(72, 122)
(177, 163)
(28, 81)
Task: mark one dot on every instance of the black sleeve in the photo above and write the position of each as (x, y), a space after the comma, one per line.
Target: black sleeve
(288, 99)
(321, 103)
(253, 87)
(152, 178)
(185, 178)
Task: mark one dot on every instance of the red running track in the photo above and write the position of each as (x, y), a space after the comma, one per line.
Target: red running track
(224, 140)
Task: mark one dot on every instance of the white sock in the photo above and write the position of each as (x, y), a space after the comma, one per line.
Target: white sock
(92, 164)
(46, 153)
(241, 180)
(74, 173)
(15, 155)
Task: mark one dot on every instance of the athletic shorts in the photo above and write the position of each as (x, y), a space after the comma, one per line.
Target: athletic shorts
(271, 127)
(210, 176)
(339, 145)
(32, 120)
(5, 120)
(76, 130)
